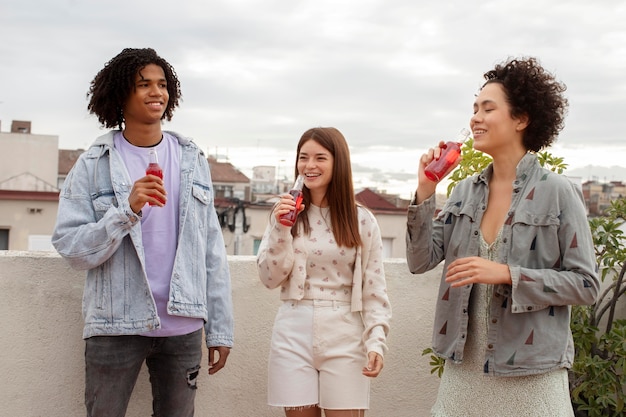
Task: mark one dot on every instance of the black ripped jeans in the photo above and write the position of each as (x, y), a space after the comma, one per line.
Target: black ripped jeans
(112, 364)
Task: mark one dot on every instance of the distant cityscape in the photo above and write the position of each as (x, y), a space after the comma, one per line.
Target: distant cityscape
(33, 169)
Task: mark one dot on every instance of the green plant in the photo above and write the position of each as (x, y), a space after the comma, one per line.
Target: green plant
(598, 375)
(474, 161)
(436, 362)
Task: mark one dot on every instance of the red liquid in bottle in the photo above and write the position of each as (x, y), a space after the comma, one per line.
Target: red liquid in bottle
(450, 152)
(288, 219)
(154, 169)
(438, 167)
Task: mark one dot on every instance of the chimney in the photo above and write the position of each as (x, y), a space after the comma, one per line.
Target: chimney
(20, 126)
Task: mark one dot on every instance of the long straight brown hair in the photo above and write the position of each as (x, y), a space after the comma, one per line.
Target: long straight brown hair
(340, 192)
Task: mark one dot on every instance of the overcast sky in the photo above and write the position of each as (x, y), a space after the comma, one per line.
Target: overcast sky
(395, 76)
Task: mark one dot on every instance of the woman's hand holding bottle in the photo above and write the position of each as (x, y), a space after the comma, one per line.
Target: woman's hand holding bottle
(437, 163)
(290, 205)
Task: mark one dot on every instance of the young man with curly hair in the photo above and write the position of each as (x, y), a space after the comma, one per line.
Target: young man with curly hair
(157, 272)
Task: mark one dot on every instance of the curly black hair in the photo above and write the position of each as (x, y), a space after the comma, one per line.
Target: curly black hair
(531, 90)
(112, 86)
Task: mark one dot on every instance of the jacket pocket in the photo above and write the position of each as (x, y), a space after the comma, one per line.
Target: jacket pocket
(201, 193)
(458, 220)
(103, 201)
(535, 240)
(534, 219)
(199, 207)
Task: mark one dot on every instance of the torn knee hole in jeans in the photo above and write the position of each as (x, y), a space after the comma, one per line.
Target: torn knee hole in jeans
(192, 377)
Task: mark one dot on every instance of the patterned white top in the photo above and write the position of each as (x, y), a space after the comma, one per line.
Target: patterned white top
(300, 265)
(329, 267)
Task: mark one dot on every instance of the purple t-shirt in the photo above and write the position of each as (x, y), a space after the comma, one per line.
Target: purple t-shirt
(159, 228)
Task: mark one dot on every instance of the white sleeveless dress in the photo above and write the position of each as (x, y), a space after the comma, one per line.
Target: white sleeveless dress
(465, 391)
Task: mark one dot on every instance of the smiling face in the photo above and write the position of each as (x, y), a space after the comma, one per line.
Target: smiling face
(148, 100)
(495, 130)
(316, 163)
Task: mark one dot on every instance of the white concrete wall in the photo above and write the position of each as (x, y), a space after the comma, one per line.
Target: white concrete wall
(41, 359)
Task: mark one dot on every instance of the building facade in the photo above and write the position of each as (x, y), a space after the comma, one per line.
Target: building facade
(33, 169)
(598, 196)
(28, 188)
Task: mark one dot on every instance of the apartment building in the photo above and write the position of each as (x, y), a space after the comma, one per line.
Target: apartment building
(598, 196)
(29, 193)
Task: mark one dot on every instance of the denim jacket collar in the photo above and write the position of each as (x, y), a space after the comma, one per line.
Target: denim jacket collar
(525, 166)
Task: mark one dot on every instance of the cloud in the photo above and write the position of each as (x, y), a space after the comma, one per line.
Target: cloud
(256, 74)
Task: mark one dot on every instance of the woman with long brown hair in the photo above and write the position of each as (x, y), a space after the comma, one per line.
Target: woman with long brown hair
(330, 332)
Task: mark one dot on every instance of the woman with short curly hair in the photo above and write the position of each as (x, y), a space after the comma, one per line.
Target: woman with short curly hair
(518, 253)
(534, 92)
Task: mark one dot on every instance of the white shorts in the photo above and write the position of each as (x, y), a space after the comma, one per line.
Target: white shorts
(317, 357)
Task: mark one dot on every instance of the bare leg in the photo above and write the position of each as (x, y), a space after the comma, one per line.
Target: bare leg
(344, 413)
(313, 411)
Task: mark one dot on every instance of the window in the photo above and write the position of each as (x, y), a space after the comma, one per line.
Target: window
(4, 239)
(223, 191)
(40, 243)
(387, 247)
(255, 247)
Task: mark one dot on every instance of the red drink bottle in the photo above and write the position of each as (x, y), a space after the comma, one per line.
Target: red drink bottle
(154, 168)
(449, 154)
(288, 219)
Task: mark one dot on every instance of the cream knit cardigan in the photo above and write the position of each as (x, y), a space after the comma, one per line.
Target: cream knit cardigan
(281, 261)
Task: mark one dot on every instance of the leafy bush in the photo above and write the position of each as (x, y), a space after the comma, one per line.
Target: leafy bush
(598, 376)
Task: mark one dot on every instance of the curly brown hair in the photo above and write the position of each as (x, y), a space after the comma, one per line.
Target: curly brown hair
(112, 86)
(532, 91)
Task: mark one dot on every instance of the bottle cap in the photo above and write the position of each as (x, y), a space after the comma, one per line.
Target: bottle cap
(463, 135)
(153, 157)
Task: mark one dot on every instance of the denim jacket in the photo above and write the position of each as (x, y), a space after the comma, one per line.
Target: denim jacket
(547, 244)
(97, 231)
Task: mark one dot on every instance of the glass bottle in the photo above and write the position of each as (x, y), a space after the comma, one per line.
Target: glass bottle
(154, 169)
(450, 152)
(288, 219)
